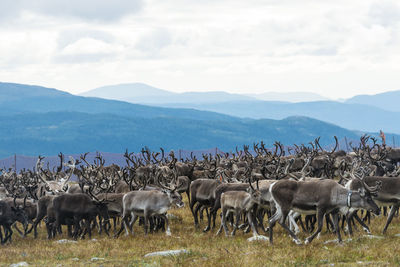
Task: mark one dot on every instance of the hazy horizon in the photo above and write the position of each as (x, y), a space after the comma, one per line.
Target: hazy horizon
(81, 92)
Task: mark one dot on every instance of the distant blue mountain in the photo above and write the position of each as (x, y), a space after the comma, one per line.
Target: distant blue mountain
(387, 101)
(36, 120)
(73, 132)
(294, 97)
(19, 99)
(350, 116)
(365, 113)
(146, 94)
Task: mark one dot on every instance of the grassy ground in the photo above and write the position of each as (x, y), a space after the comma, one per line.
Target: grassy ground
(206, 249)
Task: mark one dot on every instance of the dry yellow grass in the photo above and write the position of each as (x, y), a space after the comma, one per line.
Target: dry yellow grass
(206, 249)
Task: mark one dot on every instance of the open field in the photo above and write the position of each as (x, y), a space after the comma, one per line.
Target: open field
(206, 249)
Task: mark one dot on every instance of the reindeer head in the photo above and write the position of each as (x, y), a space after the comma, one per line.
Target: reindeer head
(365, 192)
(255, 193)
(174, 197)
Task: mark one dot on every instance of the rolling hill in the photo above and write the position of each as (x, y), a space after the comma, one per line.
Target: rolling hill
(359, 113)
(146, 94)
(387, 101)
(20, 99)
(73, 132)
(36, 120)
(350, 116)
(294, 97)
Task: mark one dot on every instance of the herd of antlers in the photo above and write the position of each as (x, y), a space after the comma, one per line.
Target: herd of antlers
(246, 184)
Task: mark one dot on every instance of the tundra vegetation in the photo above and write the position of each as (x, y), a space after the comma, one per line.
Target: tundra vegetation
(316, 207)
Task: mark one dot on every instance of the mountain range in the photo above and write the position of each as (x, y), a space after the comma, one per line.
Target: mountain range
(365, 113)
(140, 93)
(387, 101)
(36, 120)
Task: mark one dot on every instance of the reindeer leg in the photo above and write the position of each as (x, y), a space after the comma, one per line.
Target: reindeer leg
(220, 228)
(191, 206)
(209, 214)
(134, 219)
(19, 231)
(88, 228)
(8, 233)
(236, 224)
(115, 224)
(188, 195)
(214, 215)
(320, 220)
(391, 214)
(124, 225)
(348, 221)
(195, 215)
(364, 226)
(146, 221)
(272, 221)
(252, 224)
(224, 216)
(49, 229)
(336, 225)
(260, 219)
(100, 225)
(282, 223)
(329, 224)
(168, 231)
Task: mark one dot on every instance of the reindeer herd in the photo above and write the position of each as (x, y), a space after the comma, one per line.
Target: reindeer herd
(300, 188)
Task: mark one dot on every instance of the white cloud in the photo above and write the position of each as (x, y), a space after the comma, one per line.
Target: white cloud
(97, 10)
(385, 13)
(336, 48)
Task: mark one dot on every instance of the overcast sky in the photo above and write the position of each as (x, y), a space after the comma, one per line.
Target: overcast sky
(336, 48)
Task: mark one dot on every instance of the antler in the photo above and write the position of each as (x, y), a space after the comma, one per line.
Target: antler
(361, 178)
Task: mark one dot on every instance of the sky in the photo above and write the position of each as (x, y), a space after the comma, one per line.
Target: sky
(336, 48)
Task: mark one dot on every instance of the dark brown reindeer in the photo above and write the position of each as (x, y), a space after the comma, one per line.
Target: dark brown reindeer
(202, 192)
(78, 207)
(9, 214)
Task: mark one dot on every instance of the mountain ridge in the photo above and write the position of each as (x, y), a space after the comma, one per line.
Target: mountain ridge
(388, 100)
(75, 132)
(47, 121)
(145, 94)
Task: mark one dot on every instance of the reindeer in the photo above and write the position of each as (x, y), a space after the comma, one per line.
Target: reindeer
(148, 204)
(50, 182)
(202, 192)
(77, 207)
(239, 202)
(320, 197)
(8, 216)
(388, 195)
